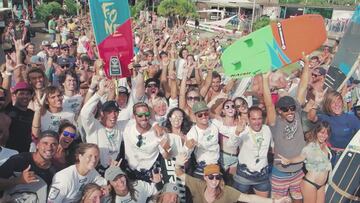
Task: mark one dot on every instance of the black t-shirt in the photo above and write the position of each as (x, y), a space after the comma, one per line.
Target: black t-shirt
(20, 128)
(20, 162)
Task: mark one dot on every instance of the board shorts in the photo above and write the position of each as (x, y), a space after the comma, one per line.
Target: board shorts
(284, 182)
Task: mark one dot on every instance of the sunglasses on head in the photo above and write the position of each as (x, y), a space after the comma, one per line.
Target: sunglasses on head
(211, 177)
(202, 114)
(69, 134)
(229, 106)
(286, 109)
(146, 114)
(140, 141)
(193, 98)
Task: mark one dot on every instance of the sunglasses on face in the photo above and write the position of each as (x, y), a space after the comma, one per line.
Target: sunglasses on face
(69, 134)
(211, 177)
(152, 86)
(229, 106)
(140, 115)
(140, 141)
(202, 114)
(193, 98)
(286, 109)
(315, 75)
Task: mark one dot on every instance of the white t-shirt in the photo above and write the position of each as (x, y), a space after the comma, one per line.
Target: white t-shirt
(73, 103)
(108, 140)
(6, 153)
(51, 121)
(179, 65)
(207, 148)
(251, 144)
(67, 184)
(81, 48)
(226, 132)
(175, 144)
(143, 190)
(142, 157)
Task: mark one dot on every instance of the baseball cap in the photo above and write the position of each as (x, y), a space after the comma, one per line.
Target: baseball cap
(170, 188)
(112, 172)
(211, 169)
(21, 86)
(45, 43)
(54, 45)
(48, 133)
(122, 89)
(110, 105)
(199, 106)
(63, 61)
(320, 70)
(285, 101)
(64, 46)
(36, 59)
(152, 81)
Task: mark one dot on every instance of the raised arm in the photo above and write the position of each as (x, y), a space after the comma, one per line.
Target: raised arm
(270, 108)
(304, 81)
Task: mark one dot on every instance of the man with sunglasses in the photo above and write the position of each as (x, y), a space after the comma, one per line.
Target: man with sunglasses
(213, 189)
(285, 124)
(202, 139)
(143, 146)
(107, 131)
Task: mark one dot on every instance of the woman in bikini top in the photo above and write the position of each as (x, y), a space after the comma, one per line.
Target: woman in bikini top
(316, 156)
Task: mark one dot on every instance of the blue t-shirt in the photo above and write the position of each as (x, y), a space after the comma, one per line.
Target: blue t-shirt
(343, 128)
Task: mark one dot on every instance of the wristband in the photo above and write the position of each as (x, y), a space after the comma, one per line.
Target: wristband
(8, 73)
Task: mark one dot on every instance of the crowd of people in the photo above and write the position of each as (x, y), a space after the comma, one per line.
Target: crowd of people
(177, 130)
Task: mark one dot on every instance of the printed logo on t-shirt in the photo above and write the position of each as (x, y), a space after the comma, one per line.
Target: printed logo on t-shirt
(54, 192)
(126, 201)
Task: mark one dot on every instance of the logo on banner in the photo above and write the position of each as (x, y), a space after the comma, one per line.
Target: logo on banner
(115, 67)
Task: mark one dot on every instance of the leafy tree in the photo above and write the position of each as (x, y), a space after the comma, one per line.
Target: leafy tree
(71, 7)
(45, 10)
(183, 8)
(139, 6)
(261, 22)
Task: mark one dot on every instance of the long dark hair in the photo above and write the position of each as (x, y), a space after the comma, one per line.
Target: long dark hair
(185, 125)
(130, 184)
(311, 136)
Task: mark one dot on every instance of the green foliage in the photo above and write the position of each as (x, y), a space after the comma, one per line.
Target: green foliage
(183, 8)
(71, 7)
(44, 11)
(261, 22)
(139, 6)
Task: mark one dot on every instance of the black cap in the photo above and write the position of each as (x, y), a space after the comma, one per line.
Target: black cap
(285, 101)
(64, 46)
(110, 105)
(153, 81)
(122, 89)
(63, 61)
(49, 133)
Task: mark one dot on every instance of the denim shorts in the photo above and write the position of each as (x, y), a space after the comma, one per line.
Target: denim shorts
(244, 185)
(227, 160)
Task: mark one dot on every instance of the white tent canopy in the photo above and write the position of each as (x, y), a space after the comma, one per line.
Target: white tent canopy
(232, 3)
(210, 11)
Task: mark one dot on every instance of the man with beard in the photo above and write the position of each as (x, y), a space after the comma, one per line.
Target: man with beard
(143, 145)
(216, 88)
(21, 118)
(106, 132)
(27, 167)
(288, 135)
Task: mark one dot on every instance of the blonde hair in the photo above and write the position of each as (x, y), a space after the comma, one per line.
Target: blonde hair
(88, 190)
(329, 98)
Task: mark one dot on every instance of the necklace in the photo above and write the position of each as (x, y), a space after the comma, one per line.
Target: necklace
(290, 130)
(258, 139)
